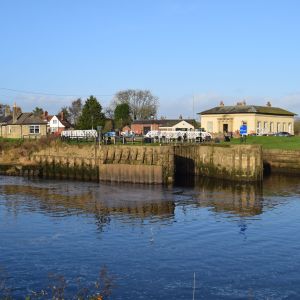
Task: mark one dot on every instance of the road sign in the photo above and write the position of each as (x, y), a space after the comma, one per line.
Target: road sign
(243, 130)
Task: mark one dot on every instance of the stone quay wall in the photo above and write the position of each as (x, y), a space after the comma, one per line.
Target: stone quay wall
(143, 164)
(137, 164)
(233, 162)
(281, 161)
(65, 167)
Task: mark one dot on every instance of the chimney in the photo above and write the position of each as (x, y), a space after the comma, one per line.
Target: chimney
(15, 113)
(62, 116)
(45, 115)
(18, 110)
(221, 103)
(242, 103)
(7, 111)
(269, 104)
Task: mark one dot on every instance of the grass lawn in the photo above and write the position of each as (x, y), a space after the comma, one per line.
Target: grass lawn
(271, 142)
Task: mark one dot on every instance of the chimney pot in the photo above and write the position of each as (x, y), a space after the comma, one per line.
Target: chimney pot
(15, 113)
(7, 111)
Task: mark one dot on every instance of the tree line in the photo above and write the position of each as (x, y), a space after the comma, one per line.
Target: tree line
(125, 107)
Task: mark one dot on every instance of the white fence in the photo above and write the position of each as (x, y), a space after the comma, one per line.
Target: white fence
(175, 135)
(79, 134)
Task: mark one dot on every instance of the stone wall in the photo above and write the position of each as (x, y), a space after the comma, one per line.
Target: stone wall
(142, 164)
(67, 167)
(281, 161)
(150, 164)
(234, 162)
(137, 164)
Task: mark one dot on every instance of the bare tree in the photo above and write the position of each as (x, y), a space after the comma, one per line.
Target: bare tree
(75, 110)
(143, 105)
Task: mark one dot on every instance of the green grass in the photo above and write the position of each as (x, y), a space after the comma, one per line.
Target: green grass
(271, 142)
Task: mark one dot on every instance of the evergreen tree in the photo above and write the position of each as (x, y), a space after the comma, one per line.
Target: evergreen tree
(122, 115)
(91, 115)
(38, 111)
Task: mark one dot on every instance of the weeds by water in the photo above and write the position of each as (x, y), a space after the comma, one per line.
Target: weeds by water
(57, 289)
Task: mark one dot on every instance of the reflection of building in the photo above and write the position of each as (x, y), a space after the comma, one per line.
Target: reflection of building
(244, 199)
(259, 119)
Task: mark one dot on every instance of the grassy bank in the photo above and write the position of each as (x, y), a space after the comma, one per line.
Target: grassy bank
(267, 142)
(12, 150)
(271, 142)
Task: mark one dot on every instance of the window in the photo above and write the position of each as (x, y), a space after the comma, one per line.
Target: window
(258, 131)
(54, 121)
(265, 127)
(278, 127)
(210, 126)
(34, 129)
(283, 127)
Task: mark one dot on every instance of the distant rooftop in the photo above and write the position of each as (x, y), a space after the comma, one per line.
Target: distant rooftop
(22, 119)
(165, 122)
(247, 109)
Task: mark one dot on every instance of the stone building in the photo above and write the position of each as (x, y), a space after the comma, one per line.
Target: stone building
(259, 119)
(16, 124)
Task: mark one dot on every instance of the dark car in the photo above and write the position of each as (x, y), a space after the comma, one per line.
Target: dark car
(283, 133)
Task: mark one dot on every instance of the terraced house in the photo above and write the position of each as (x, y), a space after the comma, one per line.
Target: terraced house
(15, 124)
(259, 119)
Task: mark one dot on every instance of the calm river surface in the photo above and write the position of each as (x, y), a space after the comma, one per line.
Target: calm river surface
(240, 241)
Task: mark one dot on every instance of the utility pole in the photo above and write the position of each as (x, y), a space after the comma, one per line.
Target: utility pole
(193, 106)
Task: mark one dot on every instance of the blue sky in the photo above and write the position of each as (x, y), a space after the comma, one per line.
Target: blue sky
(209, 50)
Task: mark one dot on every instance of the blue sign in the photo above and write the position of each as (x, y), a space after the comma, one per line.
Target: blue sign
(243, 130)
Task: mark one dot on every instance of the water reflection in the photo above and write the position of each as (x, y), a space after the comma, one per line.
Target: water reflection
(243, 199)
(102, 201)
(245, 234)
(137, 201)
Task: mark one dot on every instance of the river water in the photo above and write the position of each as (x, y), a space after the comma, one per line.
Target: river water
(205, 240)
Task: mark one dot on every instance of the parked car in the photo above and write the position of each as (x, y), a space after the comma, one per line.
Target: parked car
(282, 133)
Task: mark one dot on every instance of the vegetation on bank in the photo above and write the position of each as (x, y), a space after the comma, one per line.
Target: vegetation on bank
(270, 142)
(16, 149)
(59, 287)
(21, 147)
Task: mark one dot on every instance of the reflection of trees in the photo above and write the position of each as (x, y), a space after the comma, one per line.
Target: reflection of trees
(101, 206)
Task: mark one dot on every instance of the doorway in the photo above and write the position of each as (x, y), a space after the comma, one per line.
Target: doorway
(225, 128)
